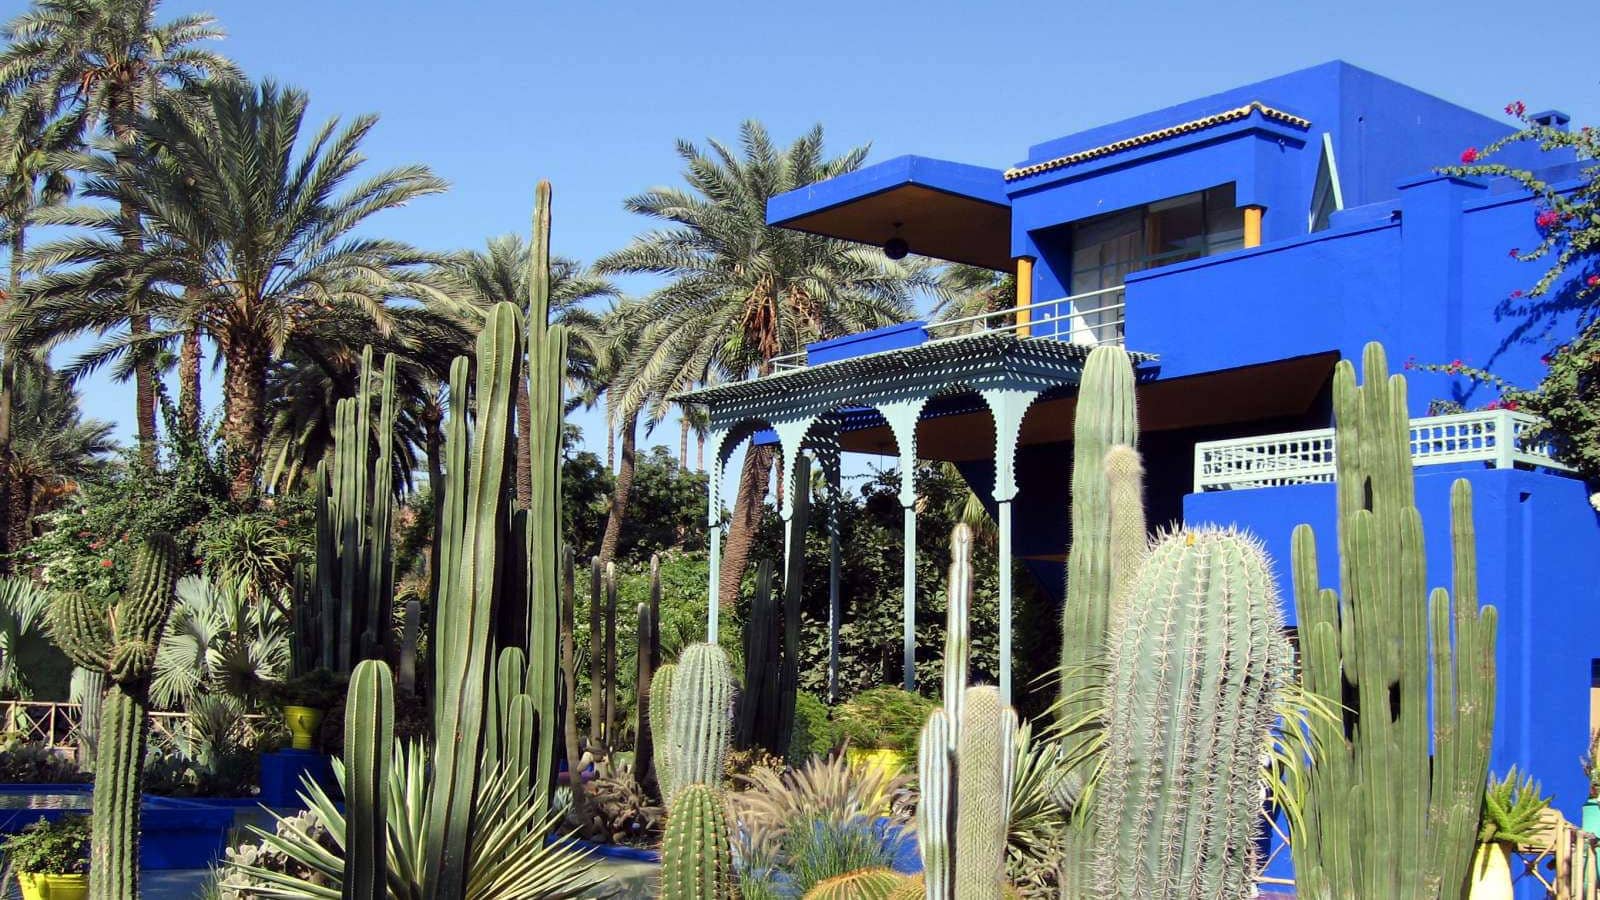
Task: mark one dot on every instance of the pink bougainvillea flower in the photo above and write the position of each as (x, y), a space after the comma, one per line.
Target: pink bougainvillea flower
(106, 563)
(1511, 405)
(1593, 281)
(1493, 404)
(1545, 359)
(1515, 252)
(1516, 293)
(1546, 218)
(1516, 108)
(1469, 156)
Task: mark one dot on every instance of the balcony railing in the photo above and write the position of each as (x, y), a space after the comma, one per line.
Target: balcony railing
(1499, 438)
(1091, 318)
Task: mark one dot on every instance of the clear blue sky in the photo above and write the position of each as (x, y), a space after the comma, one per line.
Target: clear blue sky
(495, 94)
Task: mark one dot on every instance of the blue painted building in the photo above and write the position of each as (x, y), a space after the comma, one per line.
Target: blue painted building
(1240, 245)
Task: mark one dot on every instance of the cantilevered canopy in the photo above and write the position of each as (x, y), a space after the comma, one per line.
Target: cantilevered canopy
(945, 210)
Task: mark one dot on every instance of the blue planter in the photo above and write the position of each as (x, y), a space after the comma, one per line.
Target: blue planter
(282, 773)
(173, 833)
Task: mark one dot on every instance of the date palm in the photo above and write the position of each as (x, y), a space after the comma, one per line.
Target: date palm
(740, 293)
(53, 445)
(246, 229)
(105, 62)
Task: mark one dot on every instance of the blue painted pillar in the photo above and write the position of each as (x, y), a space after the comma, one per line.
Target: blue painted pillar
(902, 417)
(714, 529)
(1007, 405)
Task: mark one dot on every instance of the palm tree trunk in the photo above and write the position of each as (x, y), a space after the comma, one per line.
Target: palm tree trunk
(189, 359)
(524, 445)
(7, 379)
(19, 515)
(683, 443)
(619, 492)
(123, 105)
(699, 451)
(244, 387)
(746, 520)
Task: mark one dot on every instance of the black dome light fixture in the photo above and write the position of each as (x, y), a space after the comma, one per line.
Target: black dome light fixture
(896, 247)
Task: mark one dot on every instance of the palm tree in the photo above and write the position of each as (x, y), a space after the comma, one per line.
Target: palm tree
(618, 341)
(31, 141)
(964, 291)
(741, 293)
(108, 61)
(499, 273)
(53, 446)
(243, 232)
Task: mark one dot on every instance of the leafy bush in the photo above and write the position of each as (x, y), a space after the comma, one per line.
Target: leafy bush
(27, 763)
(885, 717)
(814, 734)
(50, 848)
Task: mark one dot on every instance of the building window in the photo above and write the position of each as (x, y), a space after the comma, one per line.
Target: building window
(1326, 197)
(1105, 249)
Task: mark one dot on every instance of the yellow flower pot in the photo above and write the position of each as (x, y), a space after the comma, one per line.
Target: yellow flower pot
(53, 887)
(1491, 873)
(891, 762)
(303, 722)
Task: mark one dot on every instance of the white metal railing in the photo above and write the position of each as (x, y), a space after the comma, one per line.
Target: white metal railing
(1090, 319)
(1501, 438)
(55, 725)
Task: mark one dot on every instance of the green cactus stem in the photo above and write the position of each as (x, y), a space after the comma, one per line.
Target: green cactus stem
(702, 697)
(369, 748)
(661, 727)
(1391, 804)
(757, 716)
(696, 853)
(118, 637)
(1198, 663)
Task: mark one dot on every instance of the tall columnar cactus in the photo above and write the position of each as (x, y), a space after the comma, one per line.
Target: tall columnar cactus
(648, 646)
(702, 706)
(348, 595)
(1391, 805)
(118, 637)
(966, 759)
(1106, 418)
(696, 853)
(608, 733)
(597, 654)
(661, 726)
(369, 749)
(475, 524)
(758, 699)
(569, 678)
(1197, 665)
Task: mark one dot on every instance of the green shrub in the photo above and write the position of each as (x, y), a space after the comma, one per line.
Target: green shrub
(28, 763)
(50, 848)
(884, 717)
(814, 734)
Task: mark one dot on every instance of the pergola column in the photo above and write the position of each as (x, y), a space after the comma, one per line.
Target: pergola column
(1008, 406)
(829, 461)
(902, 418)
(714, 530)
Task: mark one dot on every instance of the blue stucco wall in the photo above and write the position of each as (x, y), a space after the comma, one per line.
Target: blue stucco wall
(1538, 564)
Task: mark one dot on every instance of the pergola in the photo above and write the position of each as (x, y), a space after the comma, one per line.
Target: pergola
(815, 412)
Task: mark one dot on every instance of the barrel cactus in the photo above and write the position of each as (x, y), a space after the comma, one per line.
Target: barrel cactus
(702, 706)
(696, 855)
(862, 884)
(117, 636)
(1198, 662)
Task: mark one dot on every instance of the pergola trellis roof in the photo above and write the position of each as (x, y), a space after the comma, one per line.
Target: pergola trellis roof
(808, 407)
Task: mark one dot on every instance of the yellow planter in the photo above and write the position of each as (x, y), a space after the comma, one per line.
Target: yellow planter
(53, 887)
(890, 761)
(303, 722)
(1491, 873)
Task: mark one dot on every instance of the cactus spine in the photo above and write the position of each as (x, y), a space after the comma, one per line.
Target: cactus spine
(1197, 664)
(702, 698)
(966, 759)
(118, 637)
(862, 884)
(696, 855)
(369, 748)
(1391, 807)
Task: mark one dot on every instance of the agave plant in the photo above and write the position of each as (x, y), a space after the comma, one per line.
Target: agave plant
(218, 640)
(510, 857)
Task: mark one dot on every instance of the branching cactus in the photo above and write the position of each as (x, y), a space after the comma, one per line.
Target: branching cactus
(696, 853)
(369, 749)
(118, 637)
(702, 706)
(1197, 663)
(1391, 804)
(966, 759)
